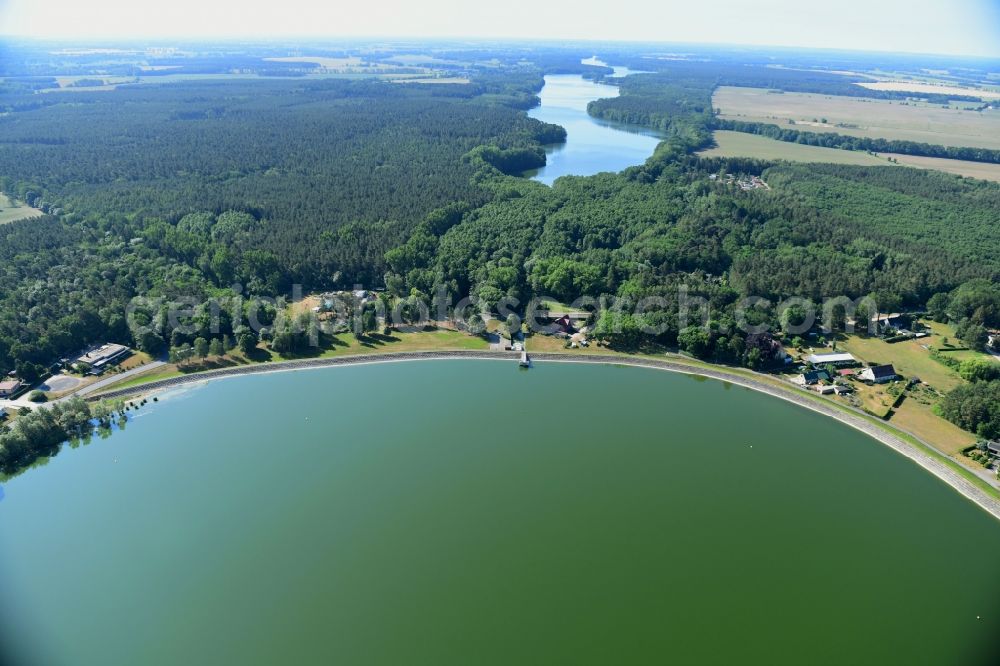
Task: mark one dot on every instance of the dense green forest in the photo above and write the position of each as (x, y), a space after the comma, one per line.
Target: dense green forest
(42, 432)
(183, 189)
(202, 185)
(321, 166)
(680, 107)
(649, 229)
(975, 407)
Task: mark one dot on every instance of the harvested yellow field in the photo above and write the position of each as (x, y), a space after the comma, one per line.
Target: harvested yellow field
(943, 435)
(858, 116)
(930, 89)
(740, 144)
(441, 79)
(322, 61)
(980, 170)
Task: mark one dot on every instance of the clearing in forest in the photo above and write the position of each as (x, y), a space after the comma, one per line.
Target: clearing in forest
(11, 210)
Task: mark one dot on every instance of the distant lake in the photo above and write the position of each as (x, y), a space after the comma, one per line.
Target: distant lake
(468, 512)
(592, 145)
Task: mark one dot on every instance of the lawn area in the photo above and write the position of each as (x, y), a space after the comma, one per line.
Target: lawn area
(876, 399)
(137, 359)
(741, 144)
(339, 345)
(913, 359)
(304, 306)
(859, 116)
(941, 332)
(402, 341)
(553, 305)
(11, 210)
(550, 343)
(163, 372)
(944, 435)
(909, 358)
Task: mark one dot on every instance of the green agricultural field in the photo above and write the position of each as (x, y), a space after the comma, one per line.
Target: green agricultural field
(740, 144)
(858, 116)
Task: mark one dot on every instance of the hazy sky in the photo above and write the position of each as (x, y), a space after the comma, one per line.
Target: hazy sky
(928, 26)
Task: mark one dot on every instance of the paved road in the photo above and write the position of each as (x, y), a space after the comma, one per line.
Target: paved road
(114, 379)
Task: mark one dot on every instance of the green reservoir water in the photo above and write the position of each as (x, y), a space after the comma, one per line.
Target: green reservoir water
(592, 145)
(468, 512)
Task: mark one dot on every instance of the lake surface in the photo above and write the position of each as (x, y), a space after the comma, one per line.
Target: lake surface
(467, 512)
(592, 145)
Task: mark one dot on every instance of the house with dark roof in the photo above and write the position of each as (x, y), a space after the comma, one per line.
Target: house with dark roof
(894, 320)
(563, 326)
(879, 374)
(811, 377)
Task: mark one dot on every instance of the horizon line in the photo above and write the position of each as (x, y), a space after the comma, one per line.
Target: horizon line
(271, 39)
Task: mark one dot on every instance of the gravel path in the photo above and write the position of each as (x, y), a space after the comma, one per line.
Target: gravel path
(858, 421)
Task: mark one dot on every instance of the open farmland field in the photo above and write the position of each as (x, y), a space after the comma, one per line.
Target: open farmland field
(931, 89)
(441, 80)
(887, 119)
(322, 61)
(980, 170)
(740, 144)
(12, 210)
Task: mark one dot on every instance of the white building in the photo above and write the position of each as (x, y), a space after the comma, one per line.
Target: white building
(879, 374)
(831, 359)
(100, 359)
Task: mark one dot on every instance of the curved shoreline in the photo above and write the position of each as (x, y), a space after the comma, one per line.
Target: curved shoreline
(937, 467)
